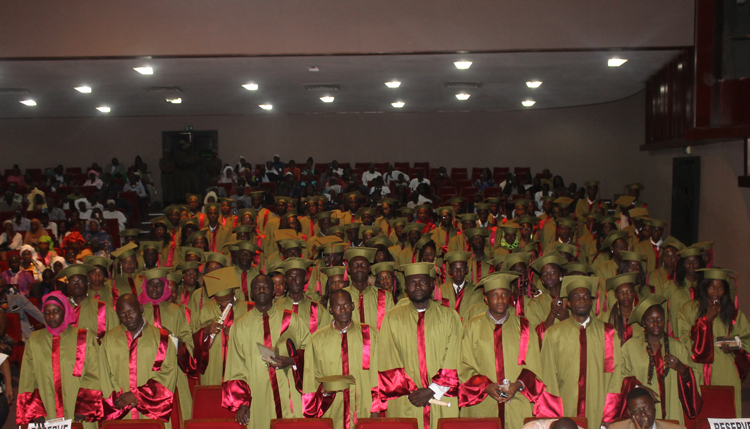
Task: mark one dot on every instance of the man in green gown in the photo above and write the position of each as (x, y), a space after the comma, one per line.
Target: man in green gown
(313, 315)
(371, 304)
(88, 312)
(459, 293)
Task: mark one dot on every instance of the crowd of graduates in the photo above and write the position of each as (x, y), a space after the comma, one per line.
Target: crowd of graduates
(558, 304)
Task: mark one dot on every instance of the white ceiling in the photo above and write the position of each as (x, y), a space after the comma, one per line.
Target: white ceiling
(212, 86)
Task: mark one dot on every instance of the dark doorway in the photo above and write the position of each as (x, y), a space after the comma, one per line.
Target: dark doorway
(686, 196)
(187, 163)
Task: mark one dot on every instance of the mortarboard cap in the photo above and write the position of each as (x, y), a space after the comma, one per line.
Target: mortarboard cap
(571, 283)
(637, 315)
(220, 282)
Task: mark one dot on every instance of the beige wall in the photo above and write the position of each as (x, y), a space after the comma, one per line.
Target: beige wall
(80, 28)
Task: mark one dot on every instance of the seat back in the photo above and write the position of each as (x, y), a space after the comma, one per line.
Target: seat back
(302, 424)
(207, 404)
(133, 424)
(474, 423)
(401, 166)
(387, 423)
(211, 424)
(718, 403)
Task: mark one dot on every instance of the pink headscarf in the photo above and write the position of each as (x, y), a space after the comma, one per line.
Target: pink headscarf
(57, 298)
(143, 298)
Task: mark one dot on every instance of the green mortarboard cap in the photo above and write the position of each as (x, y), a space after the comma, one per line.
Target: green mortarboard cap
(567, 248)
(323, 215)
(655, 223)
(625, 201)
(527, 219)
(406, 210)
(498, 259)
(192, 251)
(416, 226)
(636, 186)
(578, 267)
(548, 198)
(456, 256)
(690, 251)
(333, 271)
(296, 264)
(717, 273)
(571, 283)
(638, 212)
(282, 199)
(512, 259)
(510, 227)
(380, 240)
(627, 255)
(521, 202)
(156, 273)
(190, 221)
(196, 235)
(621, 279)
(252, 212)
(354, 225)
(170, 208)
(175, 276)
(564, 201)
(481, 206)
(257, 194)
(529, 247)
(216, 257)
(288, 214)
(188, 266)
(493, 200)
(291, 243)
(423, 207)
(366, 210)
(418, 268)
(389, 266)
(566, 221)
(371, 228)
(99, 261)
(216, 206)
(389, 201)
(231, 246)
(248, 245)
(75, 270)
(591, 183)
(607, 219)
(355, 195)
(441, 211)
(365, 252)
(162, 220)
(225, 200)
(156, 245)
(281, 234)
(423, 241)
(612, 237)
(471, 232)
(334, 248)
(637, 315)
(498, 281)
(243, 228)
(673, 242)
(336, 383)
(456, 199)
(132, 232)
(125, 251)
(398, 221)
(468, 217)
(328, 239)
(548, 258)
(704, 245)
(220, 282)
(189, 196)
(337, 229)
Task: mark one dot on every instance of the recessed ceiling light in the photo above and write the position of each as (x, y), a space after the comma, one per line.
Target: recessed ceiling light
(103, 109)
(327, 99)
(393, 84)
(528, 103)
(616, 62)
(30, 103)
(266, 106)
(83, 89)
(174, 100)
(144, 70)
(534, 84)
(251, 86)
(463, 96)
(314, 69)
(462, 65)
(398, 104)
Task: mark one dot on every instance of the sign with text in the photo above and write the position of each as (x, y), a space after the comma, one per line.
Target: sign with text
(729, 423)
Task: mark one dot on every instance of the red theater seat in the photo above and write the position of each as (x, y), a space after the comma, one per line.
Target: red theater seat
(211, 424)
(207, 403)
(302, 424)
(387, 424)
(475, 423)
(133, 424)
(718, 403)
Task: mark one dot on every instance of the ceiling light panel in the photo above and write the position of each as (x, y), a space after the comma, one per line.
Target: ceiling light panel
(144, 70)
(83, 89)
(398, 104)
(616, 62)
(251, 86)
(30, 103)
(393, 84)
(103, 109)
(534, 84)
(462, 65)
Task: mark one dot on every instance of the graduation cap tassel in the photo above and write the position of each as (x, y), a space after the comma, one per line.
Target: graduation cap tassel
(346, 272)
(598, 307)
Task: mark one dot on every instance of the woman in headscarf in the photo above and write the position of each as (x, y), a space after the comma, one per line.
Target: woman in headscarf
(227, 176)
(60, 371)
(94, 231)
(34, 233)
(75, 241)
(29, 262)
(89, 312)
(46, 254)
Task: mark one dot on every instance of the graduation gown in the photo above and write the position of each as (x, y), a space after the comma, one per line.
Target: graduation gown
(372, 303)
(677, 297)
(126, 283)
(355, 353)
(479, 269)
(537, 311)
(270, 393)
(659, 280)
(153, 358)
(652, 252)
(673, 390)
(457, 242)
(95, 316)
(491, 353)
(634, 330)
(416, 350)
(104, 294)
(467, 297)
(562, 363)
(442, 237)
(264, 216)
(70, 360)
(218, 237)
(311, 314)
(211, 356)
(245, 277)
(719, 368)
(172, 318)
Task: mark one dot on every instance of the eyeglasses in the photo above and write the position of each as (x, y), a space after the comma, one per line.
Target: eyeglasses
(642, 411)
